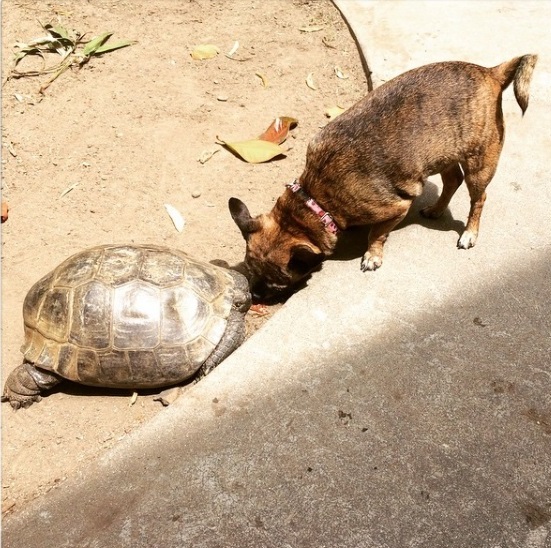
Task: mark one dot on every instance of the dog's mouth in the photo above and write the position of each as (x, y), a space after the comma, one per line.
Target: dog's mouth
(262, 293)
(266, 293)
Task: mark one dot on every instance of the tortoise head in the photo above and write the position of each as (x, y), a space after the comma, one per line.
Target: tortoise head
(242, 296)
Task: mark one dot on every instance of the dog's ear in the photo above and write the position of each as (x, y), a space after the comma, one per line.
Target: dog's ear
(304, 258)
(240, 214)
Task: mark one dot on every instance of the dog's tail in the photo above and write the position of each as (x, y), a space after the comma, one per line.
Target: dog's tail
(518, 70)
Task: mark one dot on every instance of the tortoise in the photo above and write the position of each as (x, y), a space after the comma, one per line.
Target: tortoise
(128, 316)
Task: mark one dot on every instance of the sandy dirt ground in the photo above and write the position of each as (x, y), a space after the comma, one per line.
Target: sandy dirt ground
(125, 134)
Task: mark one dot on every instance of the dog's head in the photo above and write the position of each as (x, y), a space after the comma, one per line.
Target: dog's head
(276, 258)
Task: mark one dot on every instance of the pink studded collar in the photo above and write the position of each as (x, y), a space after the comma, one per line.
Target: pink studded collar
(325, 217)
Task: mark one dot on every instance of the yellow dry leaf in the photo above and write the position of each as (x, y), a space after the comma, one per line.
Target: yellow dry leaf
(254, 151)
(204, 51)
(333, 112)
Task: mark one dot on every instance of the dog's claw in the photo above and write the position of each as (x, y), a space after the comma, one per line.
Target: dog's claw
(467, 240)
(370, 263)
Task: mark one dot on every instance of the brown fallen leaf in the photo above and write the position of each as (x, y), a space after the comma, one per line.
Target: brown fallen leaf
(5, 208)
(279, 129)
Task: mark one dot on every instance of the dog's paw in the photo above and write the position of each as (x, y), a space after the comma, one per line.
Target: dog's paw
(467, 240)
(431, 212)
(370, 262)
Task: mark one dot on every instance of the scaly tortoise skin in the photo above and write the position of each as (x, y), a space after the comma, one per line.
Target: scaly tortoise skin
(127, 316)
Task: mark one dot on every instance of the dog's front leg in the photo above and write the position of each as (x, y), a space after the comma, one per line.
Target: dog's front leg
(373, 257)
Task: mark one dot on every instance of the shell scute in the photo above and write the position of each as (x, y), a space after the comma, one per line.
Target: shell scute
(119, 265)
(162, 269)
(54, 313)
(78, 269)
(136, 316)
(91, 318)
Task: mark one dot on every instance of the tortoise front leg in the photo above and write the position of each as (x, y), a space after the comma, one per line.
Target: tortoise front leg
(25, 383)
(232, 338)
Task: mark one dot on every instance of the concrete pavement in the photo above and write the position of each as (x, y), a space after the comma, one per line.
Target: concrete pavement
(406, 407)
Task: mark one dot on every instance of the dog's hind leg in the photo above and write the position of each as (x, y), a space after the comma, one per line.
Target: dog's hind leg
(452, 177)
(373, 257)
(479, 171)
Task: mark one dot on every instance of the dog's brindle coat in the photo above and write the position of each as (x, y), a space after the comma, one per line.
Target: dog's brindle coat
(368, 165)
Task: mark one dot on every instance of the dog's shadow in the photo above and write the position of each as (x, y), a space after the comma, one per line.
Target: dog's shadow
(353, 242)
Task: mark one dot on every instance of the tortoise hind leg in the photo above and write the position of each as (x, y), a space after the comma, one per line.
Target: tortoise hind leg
(232, 338)
(25, 383)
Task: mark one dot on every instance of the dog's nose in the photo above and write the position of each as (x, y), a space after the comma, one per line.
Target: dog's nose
(257, 296)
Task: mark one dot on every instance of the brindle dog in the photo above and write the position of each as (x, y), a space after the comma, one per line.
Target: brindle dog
(368, 165)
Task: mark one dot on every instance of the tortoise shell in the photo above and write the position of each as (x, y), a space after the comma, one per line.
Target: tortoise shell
(140, 316)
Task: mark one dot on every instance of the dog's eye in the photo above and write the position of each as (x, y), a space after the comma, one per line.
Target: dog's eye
(273, 274)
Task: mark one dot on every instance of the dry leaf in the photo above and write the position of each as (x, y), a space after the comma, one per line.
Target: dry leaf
(340, 73)
(5, 209)
(263, 78)
(266, 146)
(312, 28)
(204, 51)
(133, 399)
(254, 151)
(310, 81)
(233, 50)
(279, 129)
(68, 189)
(333, 112)
(176, 217)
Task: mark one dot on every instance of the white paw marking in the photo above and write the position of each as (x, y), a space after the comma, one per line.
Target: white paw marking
(467, 240)
(371, 262)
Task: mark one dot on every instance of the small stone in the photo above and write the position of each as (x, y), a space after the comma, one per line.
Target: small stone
(222, 98)
(195, 194)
